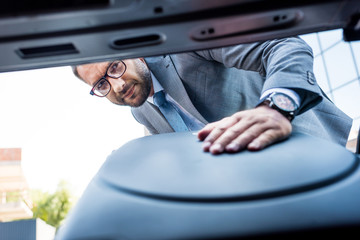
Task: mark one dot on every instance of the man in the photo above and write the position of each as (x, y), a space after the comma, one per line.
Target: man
(237, 97)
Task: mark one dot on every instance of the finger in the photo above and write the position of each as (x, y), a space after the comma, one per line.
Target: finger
(230, 134)
(217, 131)
(204, 132)
(267, 138)
(279, 124)
(247, 136)
(261, 135)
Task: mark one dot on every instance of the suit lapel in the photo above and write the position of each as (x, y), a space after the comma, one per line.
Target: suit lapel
(150, 116)
(164, 70)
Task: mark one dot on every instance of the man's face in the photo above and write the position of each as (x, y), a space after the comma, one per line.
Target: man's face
(132, 89)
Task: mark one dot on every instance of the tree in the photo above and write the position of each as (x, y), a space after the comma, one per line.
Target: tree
(52, 208)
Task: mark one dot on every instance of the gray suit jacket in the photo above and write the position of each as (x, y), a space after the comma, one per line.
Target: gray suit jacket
(213, 84)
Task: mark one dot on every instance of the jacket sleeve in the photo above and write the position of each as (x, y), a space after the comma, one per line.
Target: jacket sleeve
(283, 63)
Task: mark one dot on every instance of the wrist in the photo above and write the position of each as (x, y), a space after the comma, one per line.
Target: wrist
(282, 103)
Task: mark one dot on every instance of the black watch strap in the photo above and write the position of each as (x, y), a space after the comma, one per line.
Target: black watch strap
(289, 115)
(283, 103)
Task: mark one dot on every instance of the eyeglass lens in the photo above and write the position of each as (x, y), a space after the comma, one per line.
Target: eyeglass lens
(116, 69)
(102, 87)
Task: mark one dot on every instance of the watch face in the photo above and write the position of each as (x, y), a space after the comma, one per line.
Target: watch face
(284, 102)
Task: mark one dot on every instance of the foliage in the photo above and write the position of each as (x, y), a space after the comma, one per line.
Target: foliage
(13, 196)
(52, 208)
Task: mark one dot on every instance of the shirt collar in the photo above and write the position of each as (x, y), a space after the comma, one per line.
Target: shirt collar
(157, 87)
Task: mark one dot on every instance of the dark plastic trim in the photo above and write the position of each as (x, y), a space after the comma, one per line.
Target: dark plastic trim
(47, 51)
(137, 41)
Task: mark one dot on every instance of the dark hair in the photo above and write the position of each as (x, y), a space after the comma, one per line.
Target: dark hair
(75, 72)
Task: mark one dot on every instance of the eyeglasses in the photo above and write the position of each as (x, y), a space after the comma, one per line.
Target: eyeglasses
(102, 87)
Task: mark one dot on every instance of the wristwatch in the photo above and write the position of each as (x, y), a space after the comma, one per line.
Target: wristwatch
(282, 103)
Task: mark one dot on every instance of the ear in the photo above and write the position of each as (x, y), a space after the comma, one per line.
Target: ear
(143, 60)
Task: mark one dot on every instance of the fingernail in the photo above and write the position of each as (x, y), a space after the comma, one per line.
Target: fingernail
(254, 145)
(206, 146)
(216, 148)
(233, 147)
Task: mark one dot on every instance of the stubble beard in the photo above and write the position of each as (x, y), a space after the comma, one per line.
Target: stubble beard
(143, 84)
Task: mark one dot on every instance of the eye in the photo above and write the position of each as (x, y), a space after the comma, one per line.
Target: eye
(113, 68)
(116, 69)
(102, 85)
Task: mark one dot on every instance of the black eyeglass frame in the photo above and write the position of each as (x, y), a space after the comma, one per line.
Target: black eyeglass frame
(92, 91)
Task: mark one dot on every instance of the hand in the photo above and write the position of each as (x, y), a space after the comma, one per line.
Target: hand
(253, 129)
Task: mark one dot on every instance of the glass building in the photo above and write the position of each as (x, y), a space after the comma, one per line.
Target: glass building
(337, 69)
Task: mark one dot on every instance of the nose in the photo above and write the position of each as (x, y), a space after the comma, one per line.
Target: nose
(117, 84)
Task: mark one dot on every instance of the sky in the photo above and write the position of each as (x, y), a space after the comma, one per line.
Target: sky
(63, 131)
